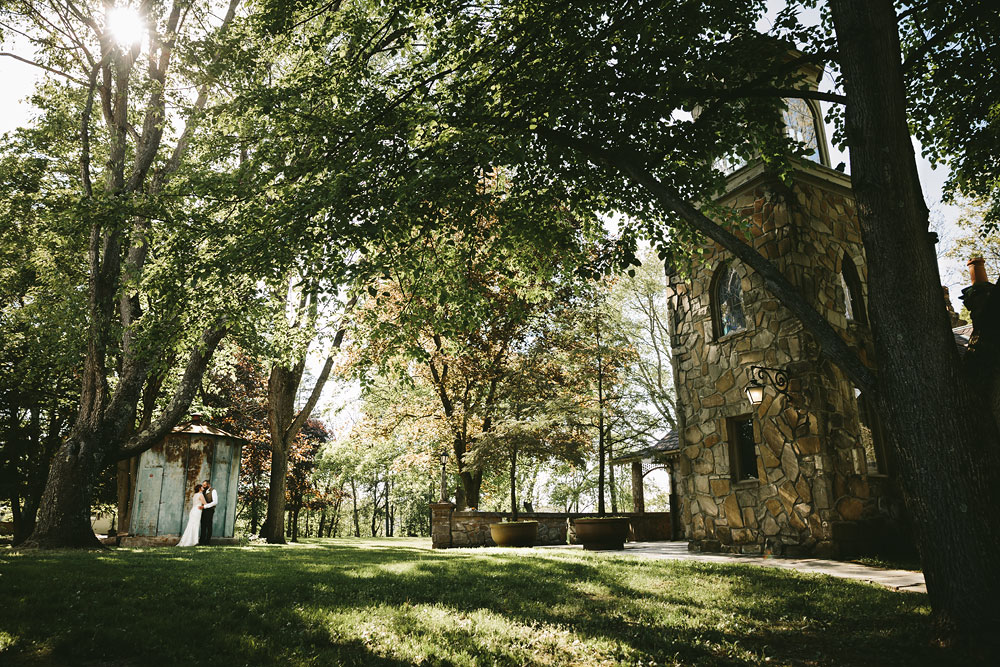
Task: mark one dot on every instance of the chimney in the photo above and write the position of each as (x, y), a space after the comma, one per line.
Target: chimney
(196, 418)
(977, 270)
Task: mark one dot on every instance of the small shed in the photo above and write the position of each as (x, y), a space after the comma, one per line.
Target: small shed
(167, 474)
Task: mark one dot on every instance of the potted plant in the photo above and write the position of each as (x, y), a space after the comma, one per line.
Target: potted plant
(602, 532)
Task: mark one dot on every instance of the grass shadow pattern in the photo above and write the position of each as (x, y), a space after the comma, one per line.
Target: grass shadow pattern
(396, 602)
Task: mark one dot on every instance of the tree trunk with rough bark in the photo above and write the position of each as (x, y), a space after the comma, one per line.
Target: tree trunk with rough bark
(273, 528)
(946, 441)
(472, 482)
(64, 513)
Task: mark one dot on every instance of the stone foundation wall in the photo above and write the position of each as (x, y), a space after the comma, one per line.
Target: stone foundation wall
(811, 467)
(472, 529)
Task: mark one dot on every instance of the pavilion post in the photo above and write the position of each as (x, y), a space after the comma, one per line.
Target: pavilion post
(638, 499)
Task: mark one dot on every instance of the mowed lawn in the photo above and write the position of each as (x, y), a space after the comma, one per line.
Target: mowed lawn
(397, 602)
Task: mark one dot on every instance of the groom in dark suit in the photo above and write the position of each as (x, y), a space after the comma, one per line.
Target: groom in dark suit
(208, 512)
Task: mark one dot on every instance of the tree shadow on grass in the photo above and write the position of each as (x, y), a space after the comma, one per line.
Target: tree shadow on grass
(341, 603)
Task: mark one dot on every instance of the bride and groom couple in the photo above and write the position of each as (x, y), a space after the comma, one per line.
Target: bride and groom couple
(199, 525)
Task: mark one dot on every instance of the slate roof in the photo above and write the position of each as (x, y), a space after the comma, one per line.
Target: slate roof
(665, 446)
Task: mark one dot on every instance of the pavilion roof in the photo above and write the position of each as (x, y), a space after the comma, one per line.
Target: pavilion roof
(668, 445)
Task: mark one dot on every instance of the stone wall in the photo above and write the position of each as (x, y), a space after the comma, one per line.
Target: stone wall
(472, 529)
(811, 468)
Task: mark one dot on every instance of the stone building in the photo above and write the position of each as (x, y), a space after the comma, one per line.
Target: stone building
(808, 471)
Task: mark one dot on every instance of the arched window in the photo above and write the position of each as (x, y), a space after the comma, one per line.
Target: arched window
(727, 302)
(850, 281)
(801, 125)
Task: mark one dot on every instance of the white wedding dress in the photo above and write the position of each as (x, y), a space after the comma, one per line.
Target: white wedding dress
(190, 536)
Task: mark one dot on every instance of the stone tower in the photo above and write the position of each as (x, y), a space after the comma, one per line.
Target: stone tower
(802, 473)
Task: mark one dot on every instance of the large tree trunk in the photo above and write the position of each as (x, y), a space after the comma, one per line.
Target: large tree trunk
(64, 514)
(285, 424)
(472, 482)
(273, 529)
(946, 440)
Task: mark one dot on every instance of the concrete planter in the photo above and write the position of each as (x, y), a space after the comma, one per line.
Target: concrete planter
(601, 533)
(514, 534)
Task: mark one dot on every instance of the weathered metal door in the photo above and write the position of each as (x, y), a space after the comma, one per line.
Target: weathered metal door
(220, 482)
(147, 501)
(174, 498)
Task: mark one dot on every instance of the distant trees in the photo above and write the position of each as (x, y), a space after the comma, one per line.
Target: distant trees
(456, 314)
(235, 397)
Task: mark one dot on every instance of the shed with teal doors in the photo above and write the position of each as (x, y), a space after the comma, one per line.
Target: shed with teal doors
(166, 477)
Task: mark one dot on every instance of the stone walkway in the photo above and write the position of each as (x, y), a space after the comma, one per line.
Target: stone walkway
(900, 580)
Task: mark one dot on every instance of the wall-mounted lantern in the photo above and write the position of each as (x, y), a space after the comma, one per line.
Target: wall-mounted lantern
(759, 375)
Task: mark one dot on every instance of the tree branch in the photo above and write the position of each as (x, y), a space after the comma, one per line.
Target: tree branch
(303, 416)
(945, 33)
(44, 67)
(201, 355)
(832, 345)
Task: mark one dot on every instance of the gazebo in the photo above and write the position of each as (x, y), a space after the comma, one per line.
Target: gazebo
(659, 455)
(166, 477)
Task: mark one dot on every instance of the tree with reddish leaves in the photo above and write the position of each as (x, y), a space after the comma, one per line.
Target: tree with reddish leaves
(237, 399)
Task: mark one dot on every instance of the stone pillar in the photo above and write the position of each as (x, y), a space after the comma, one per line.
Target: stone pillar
(441, 524)
(638, 499)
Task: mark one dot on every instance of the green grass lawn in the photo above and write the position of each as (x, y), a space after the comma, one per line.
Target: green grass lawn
(396, 602)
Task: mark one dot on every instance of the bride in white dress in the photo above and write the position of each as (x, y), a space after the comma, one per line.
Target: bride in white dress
(190, 536)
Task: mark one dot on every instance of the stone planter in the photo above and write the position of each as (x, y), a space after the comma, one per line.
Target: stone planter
(514, 533)
(601, 533)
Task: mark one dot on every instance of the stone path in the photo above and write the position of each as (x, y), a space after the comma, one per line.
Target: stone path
(900, 580)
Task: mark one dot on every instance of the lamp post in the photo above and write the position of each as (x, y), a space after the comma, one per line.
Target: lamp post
(444, 478)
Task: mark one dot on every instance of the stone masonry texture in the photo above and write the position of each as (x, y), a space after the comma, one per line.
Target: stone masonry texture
(813, 493)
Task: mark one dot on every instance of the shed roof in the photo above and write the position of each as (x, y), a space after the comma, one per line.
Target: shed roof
(196, 426)
(665, 446)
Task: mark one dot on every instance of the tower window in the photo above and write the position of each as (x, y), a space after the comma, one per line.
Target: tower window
(800, 123)
(742, 449)
(850, 281)
(727, 302)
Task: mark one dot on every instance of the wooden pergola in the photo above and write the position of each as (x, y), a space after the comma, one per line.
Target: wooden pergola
(659, 455)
